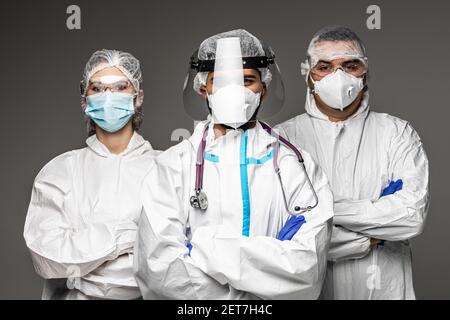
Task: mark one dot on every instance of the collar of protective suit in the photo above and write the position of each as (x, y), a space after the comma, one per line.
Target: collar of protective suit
(135, 145)
(312, 109)
(265, 139)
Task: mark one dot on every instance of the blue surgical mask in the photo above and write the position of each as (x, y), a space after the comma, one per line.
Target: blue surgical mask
(111, 111)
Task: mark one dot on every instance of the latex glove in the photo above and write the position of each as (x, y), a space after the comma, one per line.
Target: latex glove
(291, 227)
(189, 246)
(392, 188)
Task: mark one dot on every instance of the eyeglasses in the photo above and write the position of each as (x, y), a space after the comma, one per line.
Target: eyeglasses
(354, 67)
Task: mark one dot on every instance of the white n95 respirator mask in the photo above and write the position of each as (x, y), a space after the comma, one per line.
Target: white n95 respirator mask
(233, 105)
(339, 89)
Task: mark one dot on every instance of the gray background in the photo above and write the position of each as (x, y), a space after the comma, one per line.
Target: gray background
(42, 63)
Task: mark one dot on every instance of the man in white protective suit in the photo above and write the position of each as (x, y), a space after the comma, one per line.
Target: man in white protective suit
(377, 168)
(218, 221)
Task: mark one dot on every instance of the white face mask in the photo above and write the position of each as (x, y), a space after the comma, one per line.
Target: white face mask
(233, 105)
(339, 89)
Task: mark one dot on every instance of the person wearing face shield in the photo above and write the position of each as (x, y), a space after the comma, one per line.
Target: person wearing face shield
(377, 168)
(231, 213)
(82, 219)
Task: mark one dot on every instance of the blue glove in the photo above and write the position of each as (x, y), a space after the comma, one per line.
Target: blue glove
(291, 227)
(189, 246)
(392, 188)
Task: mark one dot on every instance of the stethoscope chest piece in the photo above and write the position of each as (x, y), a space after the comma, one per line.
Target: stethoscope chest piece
(199, 201)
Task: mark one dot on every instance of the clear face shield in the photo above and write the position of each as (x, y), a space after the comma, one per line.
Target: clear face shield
(234, 88)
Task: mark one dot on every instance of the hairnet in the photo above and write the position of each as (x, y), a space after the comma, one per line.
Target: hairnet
(250, 47)
(334, 42)
(105, 58)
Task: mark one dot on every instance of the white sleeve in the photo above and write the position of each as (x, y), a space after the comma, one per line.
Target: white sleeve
(163, 269)
(112, 280)
(61, 242)
(399, 216)
(346, 244)
(265, 266)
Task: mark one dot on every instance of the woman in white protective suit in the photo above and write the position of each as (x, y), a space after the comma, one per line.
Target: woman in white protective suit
(82, 218)
(377, 168)
(216, 220)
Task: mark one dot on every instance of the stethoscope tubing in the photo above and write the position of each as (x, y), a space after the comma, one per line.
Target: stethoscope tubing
(201, 162)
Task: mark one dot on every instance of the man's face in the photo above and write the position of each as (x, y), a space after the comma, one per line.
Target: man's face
(324, 67)
(251, 79)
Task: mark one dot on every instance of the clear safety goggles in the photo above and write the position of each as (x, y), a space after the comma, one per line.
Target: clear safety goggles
(109, 83)
(355, 67)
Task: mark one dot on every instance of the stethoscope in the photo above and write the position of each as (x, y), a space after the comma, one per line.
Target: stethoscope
(200, 200)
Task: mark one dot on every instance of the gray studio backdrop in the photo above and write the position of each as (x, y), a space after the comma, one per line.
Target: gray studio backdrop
(42, 62)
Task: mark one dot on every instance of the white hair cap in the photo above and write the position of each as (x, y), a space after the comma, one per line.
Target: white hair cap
(105, 58)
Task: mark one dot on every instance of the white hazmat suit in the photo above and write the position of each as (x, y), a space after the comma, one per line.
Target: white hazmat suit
(82, 221)
(360, 156)
(235, 253)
